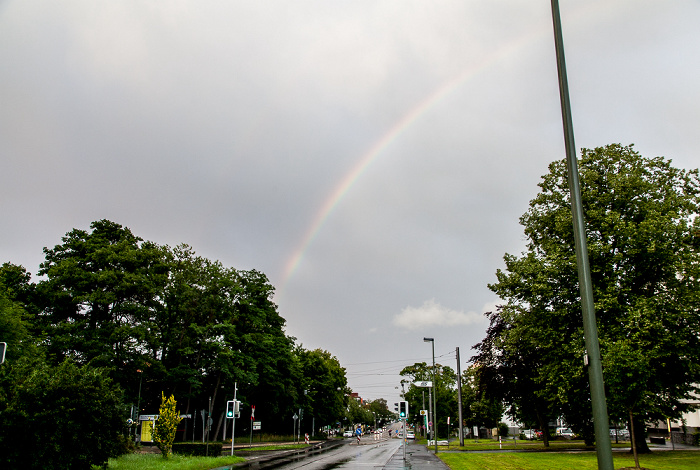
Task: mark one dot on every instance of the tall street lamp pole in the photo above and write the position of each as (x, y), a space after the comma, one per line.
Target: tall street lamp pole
(590, 330)
(432, 342)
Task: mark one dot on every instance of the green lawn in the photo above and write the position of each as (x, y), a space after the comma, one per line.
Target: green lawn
(554, 445)
(175, 462)
(662, 460)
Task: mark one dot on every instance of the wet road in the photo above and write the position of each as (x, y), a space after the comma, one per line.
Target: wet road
(369, 454)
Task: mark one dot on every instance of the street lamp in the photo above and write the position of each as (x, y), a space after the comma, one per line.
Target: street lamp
(432, 342)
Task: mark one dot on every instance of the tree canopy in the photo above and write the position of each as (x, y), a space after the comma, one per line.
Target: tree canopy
(158, 319)
(643, 237)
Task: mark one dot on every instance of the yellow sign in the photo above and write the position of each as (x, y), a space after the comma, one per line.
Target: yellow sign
(146, 431)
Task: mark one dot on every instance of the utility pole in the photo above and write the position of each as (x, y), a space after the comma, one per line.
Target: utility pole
(590, 330)
(459, 400)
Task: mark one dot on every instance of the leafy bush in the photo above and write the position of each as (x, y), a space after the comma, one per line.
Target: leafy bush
(197, 448)
(165, 427)
(64, 417)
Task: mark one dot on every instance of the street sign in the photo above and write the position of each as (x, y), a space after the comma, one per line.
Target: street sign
(424, 412)
(257, 425)
(423, 383)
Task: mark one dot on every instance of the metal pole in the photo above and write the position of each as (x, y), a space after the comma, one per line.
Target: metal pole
(435, 421)
(208, 426)
(459, 400)
(403, 436)
(595, 369)
(424, 423)
(233, 428)
(431, 423)
(138, 408)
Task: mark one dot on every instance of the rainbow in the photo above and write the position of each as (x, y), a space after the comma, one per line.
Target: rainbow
(394, 133)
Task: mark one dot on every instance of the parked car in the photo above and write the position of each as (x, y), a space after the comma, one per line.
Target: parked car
(565, 432)
(621, 433)
(348, 434)
(530, 434)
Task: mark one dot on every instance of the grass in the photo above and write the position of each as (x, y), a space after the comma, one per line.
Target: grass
(175, 462)
(271, 447)
(554, 445)
(664, 460)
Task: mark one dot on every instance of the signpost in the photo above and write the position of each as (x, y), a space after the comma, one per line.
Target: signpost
(423, 383)
(252, 416)
(294, 433)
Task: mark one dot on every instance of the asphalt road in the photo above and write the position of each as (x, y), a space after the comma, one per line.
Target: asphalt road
(370, 453)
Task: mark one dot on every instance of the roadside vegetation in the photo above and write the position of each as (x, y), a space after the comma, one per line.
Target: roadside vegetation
(677, 460)
(174, 462)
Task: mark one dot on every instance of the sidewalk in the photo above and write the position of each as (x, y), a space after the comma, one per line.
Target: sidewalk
(417, 457)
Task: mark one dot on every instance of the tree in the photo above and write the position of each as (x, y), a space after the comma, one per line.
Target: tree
(444, 386)
(165, 426)
(321, 387)
(481, 406)
(62, 417)
(643, 232)
(99, 296)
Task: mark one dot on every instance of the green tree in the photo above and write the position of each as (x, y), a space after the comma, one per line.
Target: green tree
(165, 426)
(642, 227)
(321, 387)
(99, 293)
(445, 387)
(62, 417)
(480, 407)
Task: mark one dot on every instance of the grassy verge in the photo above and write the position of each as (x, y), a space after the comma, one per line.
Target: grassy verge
(272, 447)
(489, 444)
(667, 460)
(175, 462)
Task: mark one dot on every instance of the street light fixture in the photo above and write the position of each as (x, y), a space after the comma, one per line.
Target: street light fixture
(432, 342)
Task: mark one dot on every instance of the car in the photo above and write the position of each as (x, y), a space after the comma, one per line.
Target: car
(348, 434)
(530, 434)
(565, 432)
(410, 435)
(621, 433)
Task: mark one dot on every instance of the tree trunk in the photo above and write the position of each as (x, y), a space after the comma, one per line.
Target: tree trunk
(639, 438)
(218, 426)
(634, 442)
(544, 426)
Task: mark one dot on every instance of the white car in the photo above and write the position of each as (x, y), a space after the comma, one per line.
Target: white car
(530, 434)
(565, 432)
(410, 435)
(348, 434)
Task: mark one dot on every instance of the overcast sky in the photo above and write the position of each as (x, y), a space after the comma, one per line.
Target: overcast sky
(371, 157)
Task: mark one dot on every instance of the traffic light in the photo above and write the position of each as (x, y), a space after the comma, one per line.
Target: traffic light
(396, 407)
(230, 408)
(403, 409)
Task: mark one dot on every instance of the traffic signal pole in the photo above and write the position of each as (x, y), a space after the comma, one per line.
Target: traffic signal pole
(233, 429)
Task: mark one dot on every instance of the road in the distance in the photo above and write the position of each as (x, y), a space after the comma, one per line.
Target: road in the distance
(369, 454)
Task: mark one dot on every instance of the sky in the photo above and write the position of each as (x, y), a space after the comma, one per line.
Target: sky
(371, 157)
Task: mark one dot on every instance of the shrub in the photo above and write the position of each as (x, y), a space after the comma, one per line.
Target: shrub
(197, 448)
(64, 417)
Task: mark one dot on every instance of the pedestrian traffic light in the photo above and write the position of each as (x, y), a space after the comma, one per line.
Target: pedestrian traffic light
(230, 408)
(396, 407)
(403, 409)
